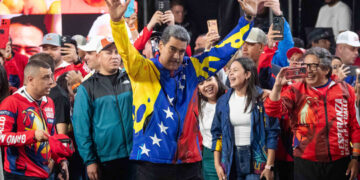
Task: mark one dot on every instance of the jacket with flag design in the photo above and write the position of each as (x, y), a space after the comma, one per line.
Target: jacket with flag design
(323, 125)
(20, 117)
(165, 127)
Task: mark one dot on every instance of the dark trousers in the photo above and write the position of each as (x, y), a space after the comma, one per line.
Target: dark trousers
(119, 169)
(9, 176)
(153, 171)
(309, 170)
(284, 170)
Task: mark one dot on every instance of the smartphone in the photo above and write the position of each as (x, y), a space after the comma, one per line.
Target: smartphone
(278, 25)
(295, 72)
(4, 32)
(212, 26)
(163, 5)
(67, 39)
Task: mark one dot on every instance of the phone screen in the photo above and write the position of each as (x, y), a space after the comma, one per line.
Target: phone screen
(212, 25)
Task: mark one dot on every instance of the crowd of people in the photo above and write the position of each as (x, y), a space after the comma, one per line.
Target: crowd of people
(146, 106)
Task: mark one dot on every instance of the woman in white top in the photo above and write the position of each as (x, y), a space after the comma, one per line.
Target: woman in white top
(208, 93)
(244, 137)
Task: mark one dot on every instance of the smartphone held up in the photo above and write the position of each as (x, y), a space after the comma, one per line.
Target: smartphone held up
(4, 32)
(295, 72)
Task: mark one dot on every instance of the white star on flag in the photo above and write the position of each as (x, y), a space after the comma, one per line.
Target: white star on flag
(155, 140)
(144, 150)
(170, 100)
(169, 114)
(163, 128)
(184, 77)
(181, 86)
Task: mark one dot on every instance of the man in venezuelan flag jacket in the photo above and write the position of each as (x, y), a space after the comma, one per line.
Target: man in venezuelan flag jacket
(166, 131)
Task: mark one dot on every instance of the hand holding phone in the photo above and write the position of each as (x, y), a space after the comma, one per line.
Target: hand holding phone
(212, 26)
(278, 25)
(295, 72)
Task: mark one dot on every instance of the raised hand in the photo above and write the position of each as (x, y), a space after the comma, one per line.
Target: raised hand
(155, 19)
(168, 18)
(249, 6)
(117, 9)
(272, 34)
(211, 39)
(275, 6)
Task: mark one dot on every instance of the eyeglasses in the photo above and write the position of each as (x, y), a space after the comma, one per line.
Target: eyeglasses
(311, 66)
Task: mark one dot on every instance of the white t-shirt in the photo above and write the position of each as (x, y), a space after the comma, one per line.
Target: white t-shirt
(240, 120)
(205, 121)
(337, 16)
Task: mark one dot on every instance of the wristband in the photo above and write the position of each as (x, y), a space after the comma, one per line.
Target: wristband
(75, 86)
(355, 150)
(269, 167)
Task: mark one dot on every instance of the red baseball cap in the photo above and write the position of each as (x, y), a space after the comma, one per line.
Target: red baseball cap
(61, 146)
(293, 50)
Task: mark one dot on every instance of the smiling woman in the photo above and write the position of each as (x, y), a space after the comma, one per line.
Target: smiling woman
(209, 91)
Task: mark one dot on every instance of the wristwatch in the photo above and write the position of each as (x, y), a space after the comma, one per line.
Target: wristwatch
(269, 167)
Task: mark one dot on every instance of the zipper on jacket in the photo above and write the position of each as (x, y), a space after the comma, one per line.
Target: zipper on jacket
(121, 120)
(327, 128)
(178, 127)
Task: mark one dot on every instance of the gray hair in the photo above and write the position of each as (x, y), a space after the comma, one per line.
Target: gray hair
(324, 56)
(175, 31)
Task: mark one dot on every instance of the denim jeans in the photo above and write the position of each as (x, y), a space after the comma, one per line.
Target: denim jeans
(242, 167)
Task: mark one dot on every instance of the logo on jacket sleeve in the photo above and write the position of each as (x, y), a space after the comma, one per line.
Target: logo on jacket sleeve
(342, 115)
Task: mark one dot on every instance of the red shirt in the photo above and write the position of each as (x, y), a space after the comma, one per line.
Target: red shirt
(15, 69)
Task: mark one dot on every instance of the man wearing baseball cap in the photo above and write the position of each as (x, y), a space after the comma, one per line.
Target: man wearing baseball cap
(52, 45)
(294, 56)
(90, 54)
(102, 117)
(321, 37)
(347, 48)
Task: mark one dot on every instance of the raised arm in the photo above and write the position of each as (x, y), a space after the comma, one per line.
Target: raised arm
(132, 59)
(208, 63)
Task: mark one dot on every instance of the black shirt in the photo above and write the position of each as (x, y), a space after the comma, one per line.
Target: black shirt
(62, 104)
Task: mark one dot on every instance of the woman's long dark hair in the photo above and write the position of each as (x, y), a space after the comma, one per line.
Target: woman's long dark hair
(4, 84)
(201, 98)
(252, 95)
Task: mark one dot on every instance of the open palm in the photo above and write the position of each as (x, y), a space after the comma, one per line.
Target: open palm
(249, 6)
(117, 9)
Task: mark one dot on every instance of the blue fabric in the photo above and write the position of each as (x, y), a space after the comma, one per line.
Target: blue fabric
(242, 168)
(98, 122)
(283, 46)
(263, 136)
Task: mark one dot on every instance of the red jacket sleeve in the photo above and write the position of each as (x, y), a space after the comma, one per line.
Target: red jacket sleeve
(281, 107)
(144, 36)
(354, 125)
(266, 58)
(9, 136)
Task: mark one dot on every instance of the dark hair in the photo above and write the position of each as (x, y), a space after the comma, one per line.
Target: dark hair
(252, 95)
(201, 98)
(176, 3)
(62, 82)
(45, 58)
(335, 57)
(175, 31)
(4, 84)
(34, 66)
(298, 42)
(324, 56)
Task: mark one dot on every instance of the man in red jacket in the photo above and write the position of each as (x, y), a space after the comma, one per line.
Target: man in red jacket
(26, 122)
(323, 118)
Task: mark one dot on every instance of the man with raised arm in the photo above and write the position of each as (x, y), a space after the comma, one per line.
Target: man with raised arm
(166, 132)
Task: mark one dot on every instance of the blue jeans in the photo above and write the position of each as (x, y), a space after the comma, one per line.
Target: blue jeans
(241, 168)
